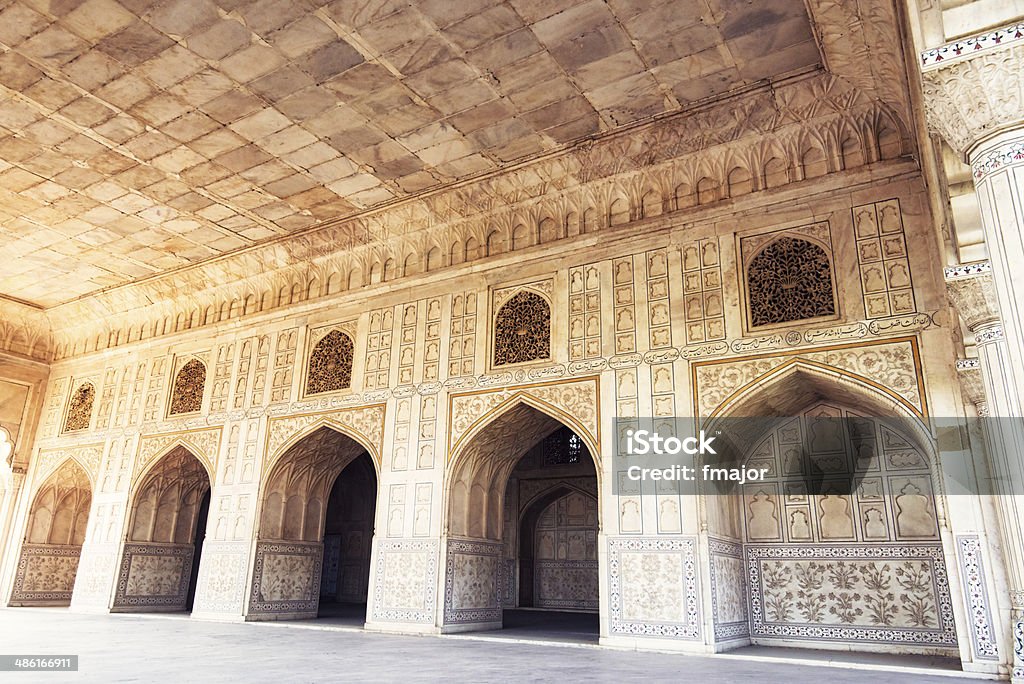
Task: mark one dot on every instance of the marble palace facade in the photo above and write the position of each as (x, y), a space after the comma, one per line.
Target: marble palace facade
(412, 401)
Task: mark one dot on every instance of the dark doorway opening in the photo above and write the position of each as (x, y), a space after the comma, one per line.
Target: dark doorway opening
(348, 534)
(200, 536)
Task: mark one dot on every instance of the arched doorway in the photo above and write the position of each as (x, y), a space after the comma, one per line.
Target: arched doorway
(523, 528)
(348, 531)
(316, 530)
(166, 528)
(57, 520)
(838, 545)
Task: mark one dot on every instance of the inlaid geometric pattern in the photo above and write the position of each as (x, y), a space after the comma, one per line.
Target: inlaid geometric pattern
(584, 312)
(882, 256)
(702, 291)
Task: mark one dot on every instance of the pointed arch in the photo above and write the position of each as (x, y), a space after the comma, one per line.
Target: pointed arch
(168, 477)
(435, 259)
(332, 424)
(769, 393)
(60, 505)
(182, 441)
(55, 531)
(525, 398)
(477, 483)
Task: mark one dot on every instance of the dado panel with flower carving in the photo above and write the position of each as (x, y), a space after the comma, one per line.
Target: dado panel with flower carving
(865, 593)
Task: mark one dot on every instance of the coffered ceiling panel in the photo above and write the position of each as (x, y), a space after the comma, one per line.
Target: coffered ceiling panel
(138, 137)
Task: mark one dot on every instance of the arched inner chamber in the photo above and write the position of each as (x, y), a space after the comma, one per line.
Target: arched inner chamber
(838, 546)
(316, 531)
(57, 522)
(523, 529)
(166, 528)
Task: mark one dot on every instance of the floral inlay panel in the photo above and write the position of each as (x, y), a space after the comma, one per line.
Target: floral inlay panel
(406, 574)
(652, 585)
(45, 575)
(154, 576)
(472, 584)
(286, 578)
(856, 593)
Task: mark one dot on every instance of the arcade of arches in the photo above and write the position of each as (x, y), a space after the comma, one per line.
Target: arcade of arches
(291, 330)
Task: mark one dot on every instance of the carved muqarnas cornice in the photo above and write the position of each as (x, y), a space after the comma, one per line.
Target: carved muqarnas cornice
(972, 292)
(972, 98)
(769, 137)
(24, 330)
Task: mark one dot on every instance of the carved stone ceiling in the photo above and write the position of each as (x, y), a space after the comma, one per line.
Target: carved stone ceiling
(137, 137)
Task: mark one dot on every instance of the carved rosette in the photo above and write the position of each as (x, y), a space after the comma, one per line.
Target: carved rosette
(972, 292)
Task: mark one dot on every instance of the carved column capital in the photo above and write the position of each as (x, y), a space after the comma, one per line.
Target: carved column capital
(974, 88)
(972, 384)
(972, 293)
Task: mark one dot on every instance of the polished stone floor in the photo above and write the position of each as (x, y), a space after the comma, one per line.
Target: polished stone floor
(135, 648)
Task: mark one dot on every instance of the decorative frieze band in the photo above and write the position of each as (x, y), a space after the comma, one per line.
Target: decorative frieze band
(989, 335)
(966, 47)
(967, 270)
(997, 158)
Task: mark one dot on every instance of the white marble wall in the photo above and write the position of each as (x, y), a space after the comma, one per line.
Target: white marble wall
(623, 344)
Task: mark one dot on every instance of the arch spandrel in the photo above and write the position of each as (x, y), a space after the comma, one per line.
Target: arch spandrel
(88, 457)
(203, 444)
(364, 425)
(892, 367)
(790, 389)
(575, 403)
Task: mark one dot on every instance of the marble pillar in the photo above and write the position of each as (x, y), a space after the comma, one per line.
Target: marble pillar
(973, 289)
